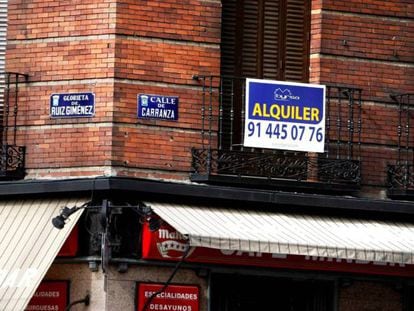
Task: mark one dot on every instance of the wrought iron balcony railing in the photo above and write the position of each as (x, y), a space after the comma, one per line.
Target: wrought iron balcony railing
(12, 158)
(222, 156)
(401, 173)
(12, 164)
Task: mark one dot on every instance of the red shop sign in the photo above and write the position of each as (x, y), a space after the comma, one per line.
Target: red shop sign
(168, 244)
(51, 296)
(174, 297)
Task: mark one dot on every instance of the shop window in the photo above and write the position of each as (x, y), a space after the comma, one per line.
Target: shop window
(409, 298)
(246, 293)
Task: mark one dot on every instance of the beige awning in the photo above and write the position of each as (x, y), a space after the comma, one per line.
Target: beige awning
(292, 234)
(28, 245)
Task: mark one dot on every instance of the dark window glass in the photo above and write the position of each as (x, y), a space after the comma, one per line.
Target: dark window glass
(247, 293)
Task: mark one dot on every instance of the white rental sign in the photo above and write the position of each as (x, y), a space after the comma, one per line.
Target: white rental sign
(284, 115)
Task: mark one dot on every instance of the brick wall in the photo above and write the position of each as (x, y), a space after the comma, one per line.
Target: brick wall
(188, 20)
(368, 45)
(115, 49)
(38, 19)
(63, 47)
(160, 46)
(119, 49)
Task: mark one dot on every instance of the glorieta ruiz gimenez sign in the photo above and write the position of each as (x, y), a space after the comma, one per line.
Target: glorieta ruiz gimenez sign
(72, 105)
(284, 115)
(157, 107)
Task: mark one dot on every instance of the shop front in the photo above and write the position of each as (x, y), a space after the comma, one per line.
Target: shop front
(247, 274)
(206, 258)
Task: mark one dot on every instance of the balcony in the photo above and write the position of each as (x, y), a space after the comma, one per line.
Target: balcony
(400, 174)
(222, 158)
(12, 157)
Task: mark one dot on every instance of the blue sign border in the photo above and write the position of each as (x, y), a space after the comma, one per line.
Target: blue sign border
(62, 103)
(159, 107)
(285, 115)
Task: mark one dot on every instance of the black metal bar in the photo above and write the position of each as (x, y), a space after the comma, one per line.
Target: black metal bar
(339, 123)
(210, 120)
(359, 122)
(399, 130)
(243, 95)
(407, 142)
(16, 95)
(6, 110)
(232, 94)
(220, 129)
(210, 112)
(328, 122)
(409, 101)
(203, 108)
(350, 123)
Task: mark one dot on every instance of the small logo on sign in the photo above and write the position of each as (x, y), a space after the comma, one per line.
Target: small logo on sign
(144, 100)
(171, 244)
(284, 95)
(55, 99)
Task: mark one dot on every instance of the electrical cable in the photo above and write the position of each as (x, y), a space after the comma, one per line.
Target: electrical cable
(177, 266)
(85, 301)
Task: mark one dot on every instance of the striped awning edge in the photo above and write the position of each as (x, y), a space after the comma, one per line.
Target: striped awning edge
(291, 234)
(28, 245)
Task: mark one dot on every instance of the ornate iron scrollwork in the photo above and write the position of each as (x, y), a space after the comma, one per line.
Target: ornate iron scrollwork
(13, 161)
(401, 176)
(240, 163)
(339, 171)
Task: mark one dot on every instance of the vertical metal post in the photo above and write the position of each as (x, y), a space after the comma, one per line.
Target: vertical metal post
(339, 123)
(210, 120)
(359, 122)
(350, 122)
(328, 122)
(399, 131)
(407, 141)
(409, 102)
(220, 129)
(16, 93)
(6, 109)
(243, 95)
(231, 114)
(203, 108)
(210, 112)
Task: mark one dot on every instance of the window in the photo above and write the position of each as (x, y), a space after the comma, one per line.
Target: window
(247, 293)
(266, 39)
